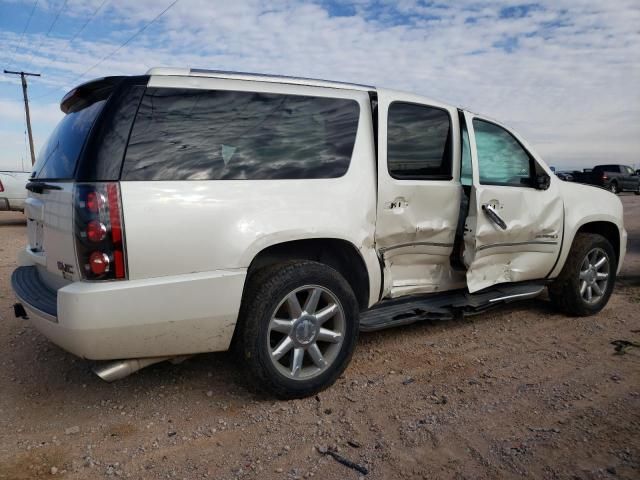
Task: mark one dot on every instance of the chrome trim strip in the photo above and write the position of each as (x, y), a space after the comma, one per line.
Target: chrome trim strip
(535, 293)
(514, 244)
(411, 244)
(283, 78)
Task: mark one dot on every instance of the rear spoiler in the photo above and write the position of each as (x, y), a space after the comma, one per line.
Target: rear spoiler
(88, 93)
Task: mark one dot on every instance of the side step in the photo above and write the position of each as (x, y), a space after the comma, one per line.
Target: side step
(443, 306)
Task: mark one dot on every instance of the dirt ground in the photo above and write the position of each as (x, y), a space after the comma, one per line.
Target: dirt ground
(517, 392)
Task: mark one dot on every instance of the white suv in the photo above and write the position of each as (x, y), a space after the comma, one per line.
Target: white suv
(186, 211)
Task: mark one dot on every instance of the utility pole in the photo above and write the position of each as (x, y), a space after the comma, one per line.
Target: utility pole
(26, 106)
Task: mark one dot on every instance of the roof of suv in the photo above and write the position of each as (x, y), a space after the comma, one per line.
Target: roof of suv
(199, 72)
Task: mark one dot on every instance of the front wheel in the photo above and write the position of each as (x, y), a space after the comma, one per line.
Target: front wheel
(587, 279)
(298, 328)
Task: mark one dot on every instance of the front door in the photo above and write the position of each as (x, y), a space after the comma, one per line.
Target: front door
(515, 223)
(418, 194)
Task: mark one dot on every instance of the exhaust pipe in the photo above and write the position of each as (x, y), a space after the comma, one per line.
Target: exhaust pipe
(123, 368)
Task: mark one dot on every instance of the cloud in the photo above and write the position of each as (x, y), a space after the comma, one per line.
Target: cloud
(13, 111)
(564, 73)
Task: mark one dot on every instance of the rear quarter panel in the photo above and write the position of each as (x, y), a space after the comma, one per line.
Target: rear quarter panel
(181, 227)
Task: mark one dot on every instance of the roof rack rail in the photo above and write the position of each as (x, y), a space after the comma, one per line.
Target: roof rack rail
(258, 76)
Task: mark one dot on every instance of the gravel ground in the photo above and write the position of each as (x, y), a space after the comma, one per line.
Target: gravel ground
(519, 391)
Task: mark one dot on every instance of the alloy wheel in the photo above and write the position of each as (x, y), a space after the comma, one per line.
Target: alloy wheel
(594, 275)
(306, 332)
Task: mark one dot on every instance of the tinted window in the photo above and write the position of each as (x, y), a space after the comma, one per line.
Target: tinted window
(58, 157)
(182, 134)
(418, 142)
(607, 168)
(501, 158)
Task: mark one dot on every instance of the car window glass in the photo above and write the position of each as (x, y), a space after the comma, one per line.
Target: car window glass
(188, 134)
(418, 142)
(58, 157)
(466, 174)
(501, 158)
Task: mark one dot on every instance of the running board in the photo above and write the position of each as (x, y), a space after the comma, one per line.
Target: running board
(442, 306)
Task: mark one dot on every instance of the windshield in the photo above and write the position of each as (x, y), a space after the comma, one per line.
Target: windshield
(58, 157)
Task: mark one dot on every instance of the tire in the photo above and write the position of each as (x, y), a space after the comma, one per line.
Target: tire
(637, 192)
(568, 292)
(613, 188)
(271, 323)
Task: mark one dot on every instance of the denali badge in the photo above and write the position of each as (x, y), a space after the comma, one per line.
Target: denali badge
(65, 267)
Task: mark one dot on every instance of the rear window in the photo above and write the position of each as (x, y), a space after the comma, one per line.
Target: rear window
(418, 142)
(188, 134)
(606, 168)
(58, 157)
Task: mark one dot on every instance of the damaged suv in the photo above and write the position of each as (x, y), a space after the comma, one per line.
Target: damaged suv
(189, 211)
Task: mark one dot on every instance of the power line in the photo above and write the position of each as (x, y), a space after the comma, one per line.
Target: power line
(91, 17)
(124, 44)
(55, 20)
(128, 40)
(15, 50)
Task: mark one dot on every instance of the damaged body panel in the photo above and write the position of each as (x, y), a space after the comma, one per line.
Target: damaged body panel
(173, 213)
(514, 229)
(529, 246)
(418, 208)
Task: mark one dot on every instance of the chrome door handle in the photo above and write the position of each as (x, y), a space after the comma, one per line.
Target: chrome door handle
(493, 215)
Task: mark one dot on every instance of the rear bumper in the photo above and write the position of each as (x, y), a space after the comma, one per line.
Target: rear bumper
(165, 316)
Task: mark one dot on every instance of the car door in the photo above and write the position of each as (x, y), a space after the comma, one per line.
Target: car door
(418, 194)
(630, 180)
(515, 225)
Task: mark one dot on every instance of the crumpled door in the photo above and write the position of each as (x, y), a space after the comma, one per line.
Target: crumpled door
(514, 231)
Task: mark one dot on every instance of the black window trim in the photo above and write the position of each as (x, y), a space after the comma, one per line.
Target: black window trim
(534, 167)
(441, 177)
(118, 86)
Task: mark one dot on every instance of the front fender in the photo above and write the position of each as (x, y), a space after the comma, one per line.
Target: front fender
(586, 204)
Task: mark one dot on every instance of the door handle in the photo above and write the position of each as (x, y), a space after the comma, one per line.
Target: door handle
(493, 215)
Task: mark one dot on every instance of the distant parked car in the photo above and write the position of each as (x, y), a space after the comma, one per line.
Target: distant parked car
(616, 178)
(566, 176)
(12, 190)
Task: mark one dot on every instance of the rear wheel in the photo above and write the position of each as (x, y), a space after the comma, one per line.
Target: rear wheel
(299, 326)
(587, 279)
(613, 187)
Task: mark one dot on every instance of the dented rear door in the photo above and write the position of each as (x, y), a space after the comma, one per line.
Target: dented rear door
(513, 232)
(418, 193)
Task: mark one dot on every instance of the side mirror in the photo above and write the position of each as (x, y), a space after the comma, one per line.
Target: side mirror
(543, 181)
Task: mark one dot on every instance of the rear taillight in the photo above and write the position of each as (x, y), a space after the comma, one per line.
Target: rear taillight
(99, 231)
(604, 176)
(1, 186)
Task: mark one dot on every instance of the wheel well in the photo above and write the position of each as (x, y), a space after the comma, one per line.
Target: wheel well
(608, 230)
(338, 254)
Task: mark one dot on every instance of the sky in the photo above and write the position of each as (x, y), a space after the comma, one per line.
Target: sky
(565, 74)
